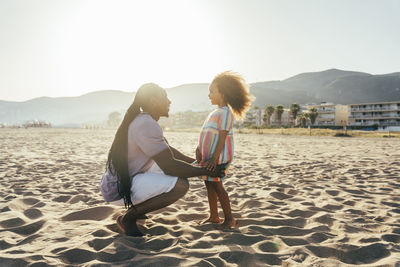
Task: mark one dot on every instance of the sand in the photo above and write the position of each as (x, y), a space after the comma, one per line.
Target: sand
(299, 201)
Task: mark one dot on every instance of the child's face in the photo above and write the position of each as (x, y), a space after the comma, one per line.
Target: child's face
(215, 96)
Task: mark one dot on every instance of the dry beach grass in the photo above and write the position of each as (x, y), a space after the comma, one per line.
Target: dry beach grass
(299, 201)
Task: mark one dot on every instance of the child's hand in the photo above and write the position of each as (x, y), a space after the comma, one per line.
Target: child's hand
(219, 171)
(198, 154)
(210, 165)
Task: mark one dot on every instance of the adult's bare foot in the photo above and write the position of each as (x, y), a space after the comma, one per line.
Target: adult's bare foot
(129, 230)
(228, 224)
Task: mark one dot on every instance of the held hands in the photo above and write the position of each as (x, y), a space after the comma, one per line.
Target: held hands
(210, 164)
(216, 170)
(219, 171)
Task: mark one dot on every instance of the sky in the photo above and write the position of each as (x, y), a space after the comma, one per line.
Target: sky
(69, 48)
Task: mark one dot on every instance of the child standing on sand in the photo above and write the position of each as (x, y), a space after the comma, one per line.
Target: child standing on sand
(230, 93)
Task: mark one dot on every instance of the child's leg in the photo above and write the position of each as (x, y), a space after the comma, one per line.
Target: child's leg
(229, 221)
(213, 202)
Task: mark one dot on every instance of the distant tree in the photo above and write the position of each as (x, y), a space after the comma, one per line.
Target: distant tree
(269, 110)
(114, 119)
(303, 119)
(313, 115)
(265, 118)
(279, 111)
(258, 117)
(294, 108)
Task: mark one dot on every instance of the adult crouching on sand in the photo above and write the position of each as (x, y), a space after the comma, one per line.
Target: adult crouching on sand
(143, 171)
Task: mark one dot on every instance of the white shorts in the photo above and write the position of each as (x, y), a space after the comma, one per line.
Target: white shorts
(148, 185)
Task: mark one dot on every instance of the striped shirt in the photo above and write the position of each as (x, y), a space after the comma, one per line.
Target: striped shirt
(220, 119)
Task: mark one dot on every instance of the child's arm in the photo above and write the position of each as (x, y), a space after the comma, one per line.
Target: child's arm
(198, 155)
(212, 162)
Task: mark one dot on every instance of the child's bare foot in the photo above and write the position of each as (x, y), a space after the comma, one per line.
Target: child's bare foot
(228, 224)
(211, 220)
(128, 229)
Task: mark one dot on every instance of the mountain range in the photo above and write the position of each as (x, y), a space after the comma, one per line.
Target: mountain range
(336, 86)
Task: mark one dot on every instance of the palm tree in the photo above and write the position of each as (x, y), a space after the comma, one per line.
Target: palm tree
(269, 110)
(313, 115)
(294, 108)
(303, 119)
(279, 110)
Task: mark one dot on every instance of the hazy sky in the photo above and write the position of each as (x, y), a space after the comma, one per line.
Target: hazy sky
(68, 48)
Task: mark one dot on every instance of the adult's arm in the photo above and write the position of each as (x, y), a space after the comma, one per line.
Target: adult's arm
(178, 155)
(175, 167)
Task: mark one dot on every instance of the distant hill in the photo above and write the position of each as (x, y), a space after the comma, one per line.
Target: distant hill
(337, 86)
(89, 108)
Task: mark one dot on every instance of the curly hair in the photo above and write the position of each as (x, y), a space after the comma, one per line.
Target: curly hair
(235, 91)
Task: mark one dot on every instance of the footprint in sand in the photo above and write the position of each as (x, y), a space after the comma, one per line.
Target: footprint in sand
(333, 207)
(61, 198)
(13, 222)
(332, 192)
(280, 196)
(33, 213)
(77, 256)
(100, 243)
(95, 214)
(294, 241)
(122, 254)
(243, 258)
(301, 213)
(391, 238)
(26, 230)
(362, 255)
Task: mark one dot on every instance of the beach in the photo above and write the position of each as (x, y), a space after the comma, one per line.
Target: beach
(299, 201)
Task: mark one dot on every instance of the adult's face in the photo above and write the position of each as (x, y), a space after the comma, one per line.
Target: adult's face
(161, 104)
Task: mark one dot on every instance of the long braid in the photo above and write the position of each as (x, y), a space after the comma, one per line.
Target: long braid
(118, 154)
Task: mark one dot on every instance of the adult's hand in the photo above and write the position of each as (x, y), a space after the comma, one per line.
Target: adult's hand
(175, 167)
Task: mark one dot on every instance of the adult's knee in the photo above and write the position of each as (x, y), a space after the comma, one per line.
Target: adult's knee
(182, 186)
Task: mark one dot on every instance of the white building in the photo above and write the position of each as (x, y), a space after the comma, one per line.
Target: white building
(254, 117)
(383, 114)
(330, 114)
(286, 118)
